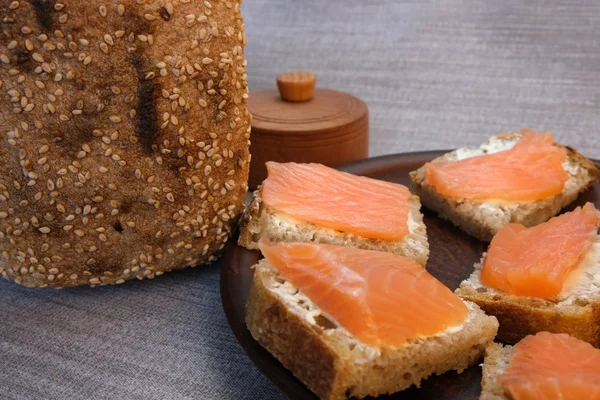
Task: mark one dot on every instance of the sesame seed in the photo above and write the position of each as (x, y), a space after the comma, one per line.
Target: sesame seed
(108, 39)
(102, 10)
(44, 229)
(38, 57)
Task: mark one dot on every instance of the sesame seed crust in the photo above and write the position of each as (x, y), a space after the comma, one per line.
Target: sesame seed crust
(124, 137)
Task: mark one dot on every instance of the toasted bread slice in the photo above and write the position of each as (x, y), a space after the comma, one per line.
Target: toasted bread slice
(332, 363)
(481, 218)
(262, 221)
(575, 311)
(495, 363)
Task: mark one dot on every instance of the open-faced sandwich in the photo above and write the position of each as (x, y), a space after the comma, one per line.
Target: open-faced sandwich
(543, 278)
(546, 366)
(315, 203)
(523, 177)
(350, 322)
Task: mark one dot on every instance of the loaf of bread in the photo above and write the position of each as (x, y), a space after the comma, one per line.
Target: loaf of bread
(481, 218)
(124, 137)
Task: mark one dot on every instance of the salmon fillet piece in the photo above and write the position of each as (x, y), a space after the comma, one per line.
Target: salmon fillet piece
(337, 200)
(552, 366)
(531, 170)
(381, 298)
(536, 261)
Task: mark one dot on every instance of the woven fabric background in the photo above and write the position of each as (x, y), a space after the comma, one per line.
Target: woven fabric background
(435, 74)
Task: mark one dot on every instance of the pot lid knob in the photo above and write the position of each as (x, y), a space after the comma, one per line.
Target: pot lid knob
(296, 86)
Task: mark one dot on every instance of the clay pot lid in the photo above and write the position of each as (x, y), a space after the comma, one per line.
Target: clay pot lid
(298, 108)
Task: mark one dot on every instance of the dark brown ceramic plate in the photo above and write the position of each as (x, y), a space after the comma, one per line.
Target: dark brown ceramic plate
(453, 254)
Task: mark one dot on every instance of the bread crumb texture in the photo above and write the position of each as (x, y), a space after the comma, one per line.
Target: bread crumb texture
(496, 361)
(124, 137)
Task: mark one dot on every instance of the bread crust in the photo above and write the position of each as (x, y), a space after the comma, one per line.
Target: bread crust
(495, 362)
(258, 221)
(249, 222)
(521, 316)
(465, 215)
(300, 347)
(334, 365)
(123, 137)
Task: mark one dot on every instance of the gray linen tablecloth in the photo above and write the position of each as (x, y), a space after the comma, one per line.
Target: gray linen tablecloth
(435, 74)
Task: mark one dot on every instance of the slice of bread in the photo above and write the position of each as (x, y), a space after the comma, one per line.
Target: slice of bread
(332, 363)
(575, 311)
(483, 218)
(262, 221)
(495, 363)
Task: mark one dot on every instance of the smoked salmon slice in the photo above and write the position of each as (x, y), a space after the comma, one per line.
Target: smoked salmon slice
(531, 170)
(552, 366)
(536, 261)
(337, 200)
(381, 298)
